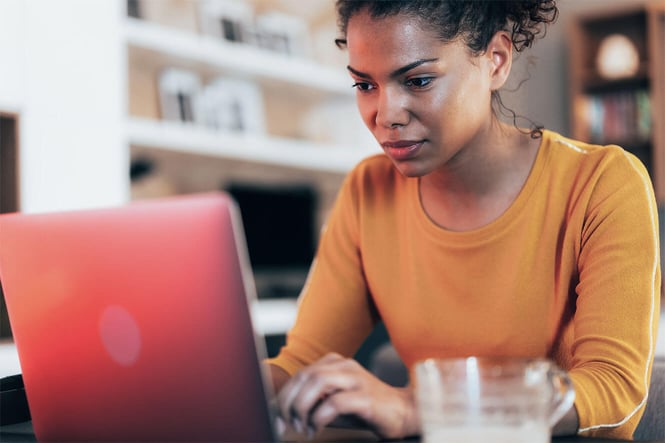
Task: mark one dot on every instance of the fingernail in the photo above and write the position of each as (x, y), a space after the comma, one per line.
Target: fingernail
(310, 432)
(280, 426)
(297, 425)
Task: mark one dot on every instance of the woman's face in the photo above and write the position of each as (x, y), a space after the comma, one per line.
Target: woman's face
(423, 100)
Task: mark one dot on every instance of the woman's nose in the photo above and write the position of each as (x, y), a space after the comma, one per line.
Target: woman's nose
(391, 109)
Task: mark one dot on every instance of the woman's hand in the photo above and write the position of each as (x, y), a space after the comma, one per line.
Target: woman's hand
(334, 387)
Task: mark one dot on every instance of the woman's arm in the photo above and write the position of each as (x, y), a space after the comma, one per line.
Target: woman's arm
(335, 311)
(617, 304)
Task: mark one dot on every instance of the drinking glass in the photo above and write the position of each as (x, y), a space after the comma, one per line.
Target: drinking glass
(482, 400)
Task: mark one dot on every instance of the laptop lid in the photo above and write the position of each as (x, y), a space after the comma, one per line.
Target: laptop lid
(133, 323)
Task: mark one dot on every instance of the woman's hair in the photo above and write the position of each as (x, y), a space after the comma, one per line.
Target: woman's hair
(473, 21)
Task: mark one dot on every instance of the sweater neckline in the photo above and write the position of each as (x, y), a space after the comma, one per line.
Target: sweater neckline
(503, 221)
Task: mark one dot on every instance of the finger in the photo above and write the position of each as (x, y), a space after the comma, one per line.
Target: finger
(280, 426)
(319, 385)
(290, 392)
(343, 406)
(309, 385)
(293, 385)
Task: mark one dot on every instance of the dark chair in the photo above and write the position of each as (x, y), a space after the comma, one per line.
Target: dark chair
(652, 425)
(386, 364)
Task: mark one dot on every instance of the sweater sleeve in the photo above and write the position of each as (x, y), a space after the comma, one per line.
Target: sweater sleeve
(335, 312)
(618, 297)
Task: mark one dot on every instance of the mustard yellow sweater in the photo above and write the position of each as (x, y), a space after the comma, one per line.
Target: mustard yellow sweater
(570, 271)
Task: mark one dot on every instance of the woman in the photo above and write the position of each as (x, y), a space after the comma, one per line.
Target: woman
(471, 236)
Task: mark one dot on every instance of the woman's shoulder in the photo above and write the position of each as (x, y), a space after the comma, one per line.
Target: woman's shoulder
(559, 141)
(593, 158)
(593, 170)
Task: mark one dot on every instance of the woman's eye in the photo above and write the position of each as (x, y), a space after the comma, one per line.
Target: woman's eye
(363, 86)
(419, 82)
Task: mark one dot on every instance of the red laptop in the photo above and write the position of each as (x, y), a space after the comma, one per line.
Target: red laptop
(133, 323)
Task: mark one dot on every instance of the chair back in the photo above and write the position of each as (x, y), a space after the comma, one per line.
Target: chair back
(652, 425)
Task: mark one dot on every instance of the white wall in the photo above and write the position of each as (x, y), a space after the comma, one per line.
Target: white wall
(12, 63)
(63, 70)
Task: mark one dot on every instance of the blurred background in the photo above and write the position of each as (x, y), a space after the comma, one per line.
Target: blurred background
(109, 101)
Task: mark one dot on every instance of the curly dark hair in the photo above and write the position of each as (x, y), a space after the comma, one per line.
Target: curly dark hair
(474, 21)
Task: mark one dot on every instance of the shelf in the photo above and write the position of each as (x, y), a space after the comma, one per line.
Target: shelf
(174, 47)
(595, 84)
(623, 110)
(192, 139)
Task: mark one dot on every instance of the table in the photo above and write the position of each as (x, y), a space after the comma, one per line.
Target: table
(22, 432)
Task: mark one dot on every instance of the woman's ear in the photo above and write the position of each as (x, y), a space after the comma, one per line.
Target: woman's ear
(500, 53)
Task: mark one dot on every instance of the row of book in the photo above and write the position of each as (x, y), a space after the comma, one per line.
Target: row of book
(616, 117)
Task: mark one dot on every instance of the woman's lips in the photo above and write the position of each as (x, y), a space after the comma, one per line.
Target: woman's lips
(402, 149)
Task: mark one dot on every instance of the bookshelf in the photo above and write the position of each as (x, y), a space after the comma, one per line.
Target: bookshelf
(312, 131)
(276, 151)
(293, 89)
(617, 83)
(173, 46)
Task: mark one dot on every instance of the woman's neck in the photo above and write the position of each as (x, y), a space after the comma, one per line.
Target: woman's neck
(482, 182)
